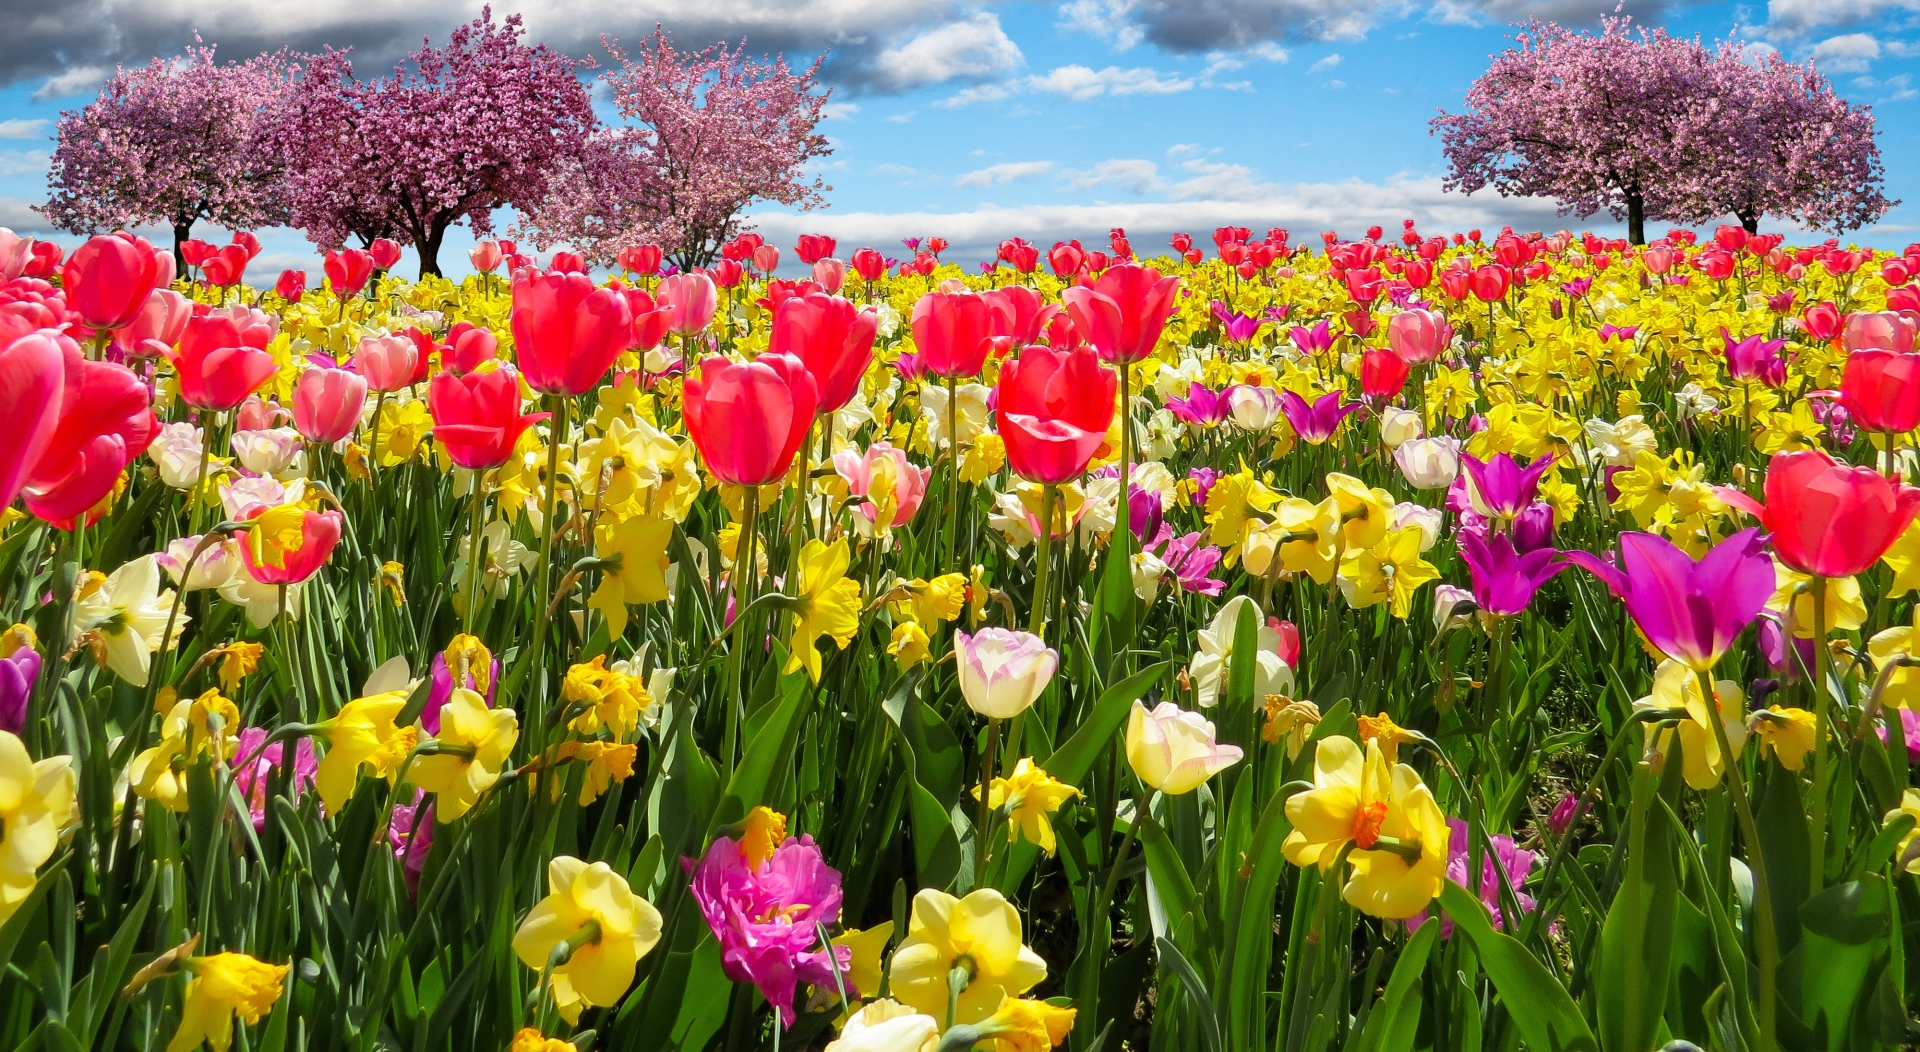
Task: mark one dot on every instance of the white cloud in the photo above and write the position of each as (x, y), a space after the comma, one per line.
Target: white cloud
(1080, 83)
(901, 118)
(1002, 174)
(19, 216)
(977, 93)
(970, 49)
(30, 162)
(77, 80)
(1326, 63)
(21, 128)
(1791, 18)
(1846, 54)
(1133, 175)
(839, 111)
(1107, 19)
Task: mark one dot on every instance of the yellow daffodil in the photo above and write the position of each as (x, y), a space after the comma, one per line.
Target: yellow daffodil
(608, 699)
(401, 428)
(1026, 1025)
(607, 927)
(935, 601)
(762, 830)
(1365, 512)
(607, 763)
(36, 804)
(1349, 799)
(1289, 719)
(866, 946)
(1904, 855)
(223, 986)
(979, 934)
(1391, 571)
(1903, 683)
(1675, 686)
(1904, 560)
(827, 603)
(237, 662)
(1788, 733)
(469, 727)
(909, 645)
(1029, 796)
(1234, 502)
(363, 732)
(641, 546)
(1846, 610)
(1305, 537)
(530, 1040)
(1399, 836)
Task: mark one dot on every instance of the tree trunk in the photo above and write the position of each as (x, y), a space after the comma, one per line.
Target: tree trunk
(1636, 218)
(1750, 222)
(182, 232)
(429, 249)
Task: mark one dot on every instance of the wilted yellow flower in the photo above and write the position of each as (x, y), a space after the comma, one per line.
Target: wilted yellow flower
(1788, 733)
(608, 927)
(931, 602)
(607, 763)
(909, 644)
(1029, 796)
(393, 576)
(238, 660)
(1289, 719)
(225, 985)
(530, 1040)
(1389, 734)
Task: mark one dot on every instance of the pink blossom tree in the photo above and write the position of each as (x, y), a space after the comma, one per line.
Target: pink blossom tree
(1611, 123)
(456, 132)
(1785, 144)
(175, 142)
(710, 133)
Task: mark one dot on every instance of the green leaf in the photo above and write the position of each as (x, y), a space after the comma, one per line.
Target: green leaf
(1547, 1017)
(1396, 1019)
(769, 749)
(1636, 944)
(1171, 956)
(1826, 983)
(1250, 953)
(1783, 836)
(1075, 756)
(110, 965)
(1171, 884)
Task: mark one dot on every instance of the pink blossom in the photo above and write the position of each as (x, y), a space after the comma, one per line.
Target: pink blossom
(253, 770)
(768, 920)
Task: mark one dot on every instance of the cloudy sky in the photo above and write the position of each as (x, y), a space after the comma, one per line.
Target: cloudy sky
(982, 120)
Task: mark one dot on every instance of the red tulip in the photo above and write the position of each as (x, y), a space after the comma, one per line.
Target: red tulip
(953, 332)
(1419, 273)
(643, 260)
(289, 544)
(246, 239)
(468, 346)
(106, 280)
(33, 378)
(476, 416)
(196, 252)
(220, 363)
(486, 256)
(812, 248)
(1490, 283)
(291, 286)
(831, 338)
(385, 253)
(869, 264)
(727, 273)
(1052, 409)
(105, 422)
(1382, 374)
(1822, 321)
(1878, 330)
(327, 404)
(348, 270)
(1905, 299)
(749, 418)
(227, 267)
(1066, 258)
(1881, 390)
(1020, 315)
(1121, 314)
(566, 332)
(1827, 518)
(1730, 237)
(1453, 281)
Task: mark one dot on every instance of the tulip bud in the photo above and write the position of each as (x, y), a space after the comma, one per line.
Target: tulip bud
(1002, 671)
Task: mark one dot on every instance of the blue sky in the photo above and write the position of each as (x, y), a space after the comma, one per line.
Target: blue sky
(978, 121)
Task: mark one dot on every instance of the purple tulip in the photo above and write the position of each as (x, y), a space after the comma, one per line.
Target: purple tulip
(1238, 327)
(1516, 862)
(1203, 479)
(1144, 513)
(1500, 488)
(254, 768)
(1191, 562)
(1202, 407)
(18, 670)
(1504, 581)
(1317, 340)
(1622, 333)
(1578, 287)
(410, 832)
(1688, 610)
(1317, 422)
(1774, 647)
(1755, 358)
(1533, 528)
(1563, 815)
(767, 920)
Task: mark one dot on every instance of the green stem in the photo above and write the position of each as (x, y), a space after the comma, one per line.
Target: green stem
(1822, 660)
(981, 839)
(554, 438)
(1768, 941)
(474, 553)
(953, 469)
(742, 597)
(1043, 559)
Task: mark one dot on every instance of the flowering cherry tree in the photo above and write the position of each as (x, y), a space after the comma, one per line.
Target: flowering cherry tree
(454, 133)
(174, 142)
(710, 133)
(1598, 123)
(1788, 145)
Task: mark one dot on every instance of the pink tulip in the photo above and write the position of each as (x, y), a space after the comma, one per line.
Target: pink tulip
(766, 259)
(1878, 330)
(691, 300)
(909, 482)
(105, 421)
(385, 253)
(566, 332)
(1419, 336)
(1121, 314)
(291, 286)
(643, 260)
(829, 274)
(1659, 259)
(327, 404)
(33, 372)
(749, 418)
(468, 346)
(954, 332)
(220, 363)
(159, 325)
(831, 337)
(486, 256)
(1020, 315)
(477, 418)
(15, 253)
(106, 280)
(348, 270)
(388, 362)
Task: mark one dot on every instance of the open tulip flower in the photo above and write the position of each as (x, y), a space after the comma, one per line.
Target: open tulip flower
(1828, 519)
(1175, 751)
(749, 418)
(1054, 408)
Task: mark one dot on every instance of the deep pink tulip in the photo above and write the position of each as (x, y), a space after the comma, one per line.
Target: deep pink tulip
(1490, 283)
(749, 418)
(832, 337)
(486, 256)
(477, 418)
(468, 346)
(1881, 390)
(388, 362)
(348, 270)
(220, 363)
(812, 248)
(1828, 518)
(1122, 312)
(327, 404)
(1419, 336)
(690, 300)
(566, 332)
(954, 332)
(227, 267)
(274, 561)
(643, 260)
(1020, 314)
(291, 286)
(385, 253)
(1690, 609)
(1823, 321)
(105, 422)
(33, 377)
(1878, 331)
(1053, 409)
(106, 281)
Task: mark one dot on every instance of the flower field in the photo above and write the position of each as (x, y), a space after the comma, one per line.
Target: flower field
(1419, 641)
